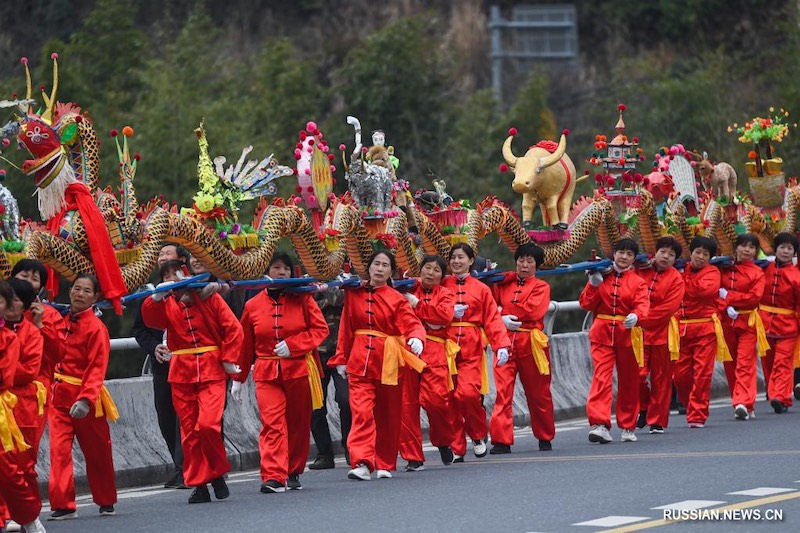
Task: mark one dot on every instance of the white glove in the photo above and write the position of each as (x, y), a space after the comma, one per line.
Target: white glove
(413, 300)
(723, 293)
(231, 368)
(158, 296)
(630, 320)
(342, 370)
(459, 310)
(502, 356)
(210, 288)
(236, 391)
(79, 409)
(732, 313)
(282, 349)
(415, 345)
(596, 279)
(511, 322)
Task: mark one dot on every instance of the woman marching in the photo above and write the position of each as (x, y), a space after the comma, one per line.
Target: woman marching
(434, 305)
(740, 294)
(618, 300)
(81, 406)
(378, 328)
(281, 333)
(477, 324)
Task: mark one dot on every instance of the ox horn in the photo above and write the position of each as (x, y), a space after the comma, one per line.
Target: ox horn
(508, 154)
(551, 159)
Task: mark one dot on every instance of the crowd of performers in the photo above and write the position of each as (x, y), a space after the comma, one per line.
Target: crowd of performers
(389, 354)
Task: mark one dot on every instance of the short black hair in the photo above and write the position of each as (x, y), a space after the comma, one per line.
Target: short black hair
(530, 250)
(438, 259)
(173, 265)
(707, 243)
(91, 277)
(670, 242)
(32, 265)
(183, 253)
(390, 255)
(747, 238)
(284, 258)
(462, 246)
(23, 290)
(785, 238)
(627, 245)
(6, 292)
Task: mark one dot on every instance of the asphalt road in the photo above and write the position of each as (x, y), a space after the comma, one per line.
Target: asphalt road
(728, 470)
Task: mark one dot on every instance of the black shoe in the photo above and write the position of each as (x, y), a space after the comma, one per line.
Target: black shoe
(681, 409)
(63, 514)
(200, 495)
(172, 482)
(272, 486)
(294, 482)
(322, 463)
(458, 459)
(221, 490)
(500, 449)
(642, 420)
(545, 446)
(107, 510)
(797, 392)
(778, 407)
(415, 466)
(656, 430)
(446, 454)
(181, 484)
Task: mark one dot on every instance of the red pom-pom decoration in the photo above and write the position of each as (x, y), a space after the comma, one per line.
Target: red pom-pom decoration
(114, 133)
(342, 147)
(54, 56)
(298, 189)
(297, 156)
(24, 60)
(137, 157)
(330, 157)
(621, 107)
(311, 142)
(565, 131)
(751, 154)
(297, 201)
(78, 119)
(503, 167)
(364, 150)
(512, 131)
(635, 140)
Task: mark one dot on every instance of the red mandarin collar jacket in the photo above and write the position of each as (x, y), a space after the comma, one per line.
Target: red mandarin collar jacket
(666, 291)
(86, 351)
(481, 310)
(782, 289)
(435, 308)
(745, 285)
(621, 293)
(700, 299)
(53, 332)
(529, 301)
(9, 356)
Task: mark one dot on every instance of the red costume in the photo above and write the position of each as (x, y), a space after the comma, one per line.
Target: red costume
(666, 293)
(376, 324)
(745, 285)
(53, 332)
(283, 386)
(779, 306)
(480, 325)
(431, 388)
(697, 317)
(79, 376)
(201, 334)
(529, 301)
(620, 294)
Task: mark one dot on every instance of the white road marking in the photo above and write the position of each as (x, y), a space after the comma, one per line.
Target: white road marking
(612, 521)
(761, 491)
(690, 504)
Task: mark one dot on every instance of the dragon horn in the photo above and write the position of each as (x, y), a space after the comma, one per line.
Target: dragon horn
(50, 101)
(555, 156)
(508, 154)
(29, 85)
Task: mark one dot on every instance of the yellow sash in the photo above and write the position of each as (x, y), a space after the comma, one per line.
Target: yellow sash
(723, 353)
(395, 356)
(195, 350)
(637, 337)
(674, 339)
(451, 348)
(10, 435)
(785, 311)
(41, 395)
(754, 321)
(104, 403)
(538, 343)
(484, 367)
(314, 379)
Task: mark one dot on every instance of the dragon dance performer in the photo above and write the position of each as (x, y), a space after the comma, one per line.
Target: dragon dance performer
(524, 301)
(661, 340)
(281, 334)
(618, 300)
(80, 406)
(22, 500)
(779, 307)
(434, 306)
(377, 325)
(739, 296)
(52, 327)
(702, 340)
(477, 324)
(30, 398)
(205, 341)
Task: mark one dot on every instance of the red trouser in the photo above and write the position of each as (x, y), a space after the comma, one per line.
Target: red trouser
(26, 461)
(692, 375)
(778, 367)
(741, 372)
(598, 404)
(375, 433)
(537, 394)
(95, 442)
(467, 401)
(656, 398)
(199, 407)
(22, 499)
(429, 389)
(284, 406)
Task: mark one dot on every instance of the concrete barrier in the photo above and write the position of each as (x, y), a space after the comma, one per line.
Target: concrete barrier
(141, 457)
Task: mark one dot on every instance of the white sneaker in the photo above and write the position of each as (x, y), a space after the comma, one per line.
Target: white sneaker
(31, 527)
(695, 425)
(383, 474)
(600, 434)
(12, 526)
(751, 414)
(360, 472)
(628, 436)
(479, 447)
(740, 412)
